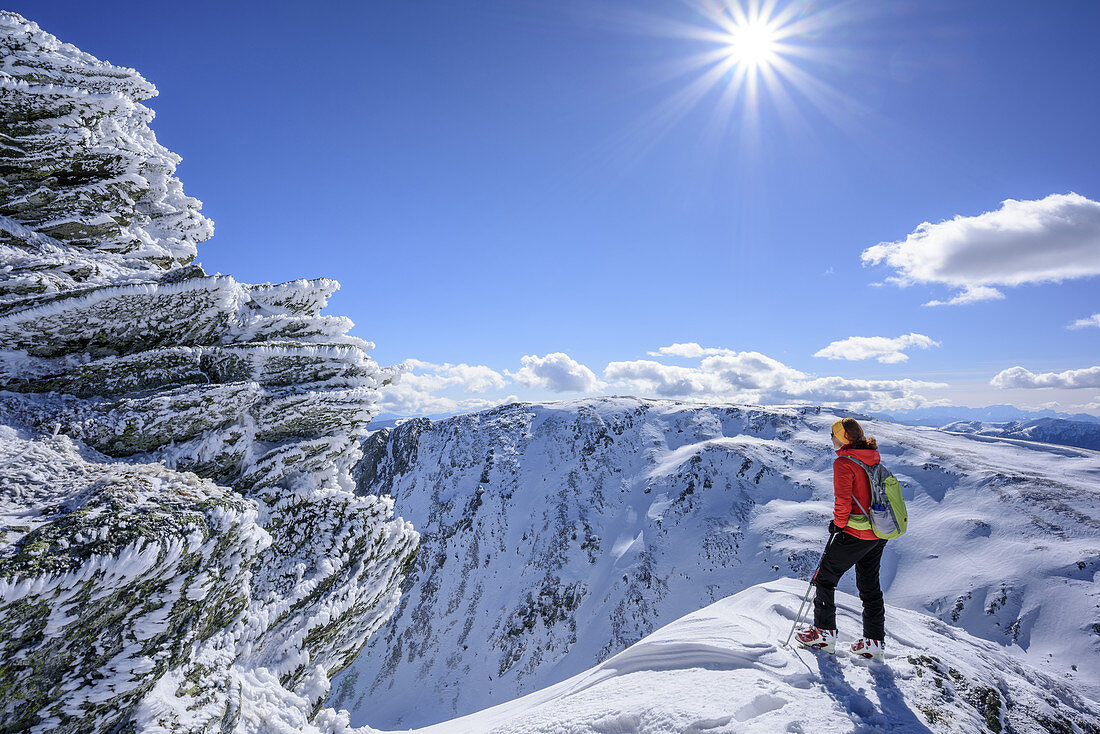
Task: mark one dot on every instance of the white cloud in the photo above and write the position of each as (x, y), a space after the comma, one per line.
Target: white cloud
(1084, 323)
(691, 350)
(406, 400)
(1090, 407)
(882, 348)
(859, 394)
(557, 372)
(970, 294)
(663, 380)
(416, 386)
(1088, 377)
(1046, 240)
(751, 371)
(716, 374)
(751, 377)
(474, 378)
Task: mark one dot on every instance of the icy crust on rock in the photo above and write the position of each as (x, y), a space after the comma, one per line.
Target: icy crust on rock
(110, 576)
(722, 670)
(264, 395)
(556, 535)
(79, 164)
(139, 597)
(193, 373)
(112, 342)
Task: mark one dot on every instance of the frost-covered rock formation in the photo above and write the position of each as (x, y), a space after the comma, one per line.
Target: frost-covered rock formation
(557, 535)
(721, 670)
(133, 594)
(113, 573)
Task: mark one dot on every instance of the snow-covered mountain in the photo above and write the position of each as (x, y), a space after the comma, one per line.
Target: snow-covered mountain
(556, 535)
(1047, 430)
(181, 548)
(723, 670)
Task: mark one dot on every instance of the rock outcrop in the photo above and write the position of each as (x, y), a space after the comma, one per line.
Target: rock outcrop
(182, 547)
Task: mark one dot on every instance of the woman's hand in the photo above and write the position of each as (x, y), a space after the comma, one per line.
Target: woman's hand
(833, 529)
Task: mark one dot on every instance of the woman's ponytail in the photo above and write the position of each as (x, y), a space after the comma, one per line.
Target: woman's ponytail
(856, 438)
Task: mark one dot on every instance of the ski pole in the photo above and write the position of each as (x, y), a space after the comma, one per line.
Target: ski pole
(809, 586)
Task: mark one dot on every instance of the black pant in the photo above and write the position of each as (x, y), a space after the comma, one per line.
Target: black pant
(844, 552)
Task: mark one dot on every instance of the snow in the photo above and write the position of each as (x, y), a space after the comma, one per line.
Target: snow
(556, 535)
(723, 670)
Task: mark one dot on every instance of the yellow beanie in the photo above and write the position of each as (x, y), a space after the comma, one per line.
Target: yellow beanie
(839, 432)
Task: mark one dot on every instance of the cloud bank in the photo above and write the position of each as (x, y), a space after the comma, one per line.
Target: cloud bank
(752, 377)
(1046, 240)
(417, 385)
(719, 374)
(1088, 377)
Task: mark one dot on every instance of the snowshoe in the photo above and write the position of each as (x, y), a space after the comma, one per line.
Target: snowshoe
(870, 649)
(816, 638)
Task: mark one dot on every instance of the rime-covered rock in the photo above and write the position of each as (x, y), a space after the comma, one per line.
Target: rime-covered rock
(80, 165)
(113, 343)
(111, 575)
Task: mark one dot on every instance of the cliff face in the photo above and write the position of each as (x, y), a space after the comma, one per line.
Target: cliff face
(193, 543)
(556, 535)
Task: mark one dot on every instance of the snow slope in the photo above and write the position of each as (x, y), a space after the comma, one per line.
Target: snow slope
(556, 535)
(722, 670)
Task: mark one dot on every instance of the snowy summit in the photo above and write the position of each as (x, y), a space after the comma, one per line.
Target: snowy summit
(722, 670)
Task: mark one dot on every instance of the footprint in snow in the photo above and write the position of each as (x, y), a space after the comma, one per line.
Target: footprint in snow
(759, 706)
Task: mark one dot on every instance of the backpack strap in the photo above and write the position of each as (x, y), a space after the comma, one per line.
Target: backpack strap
(866, 468)
(869, 481)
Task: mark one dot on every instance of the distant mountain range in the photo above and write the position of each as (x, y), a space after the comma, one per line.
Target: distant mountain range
(1047, 430)
(942, 415)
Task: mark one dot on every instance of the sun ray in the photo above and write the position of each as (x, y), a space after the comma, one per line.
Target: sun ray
(750, 61)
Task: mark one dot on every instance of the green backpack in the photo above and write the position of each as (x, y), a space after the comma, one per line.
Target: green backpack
(888, 517)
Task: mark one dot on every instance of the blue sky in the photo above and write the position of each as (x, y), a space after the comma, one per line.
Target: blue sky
(505, 179)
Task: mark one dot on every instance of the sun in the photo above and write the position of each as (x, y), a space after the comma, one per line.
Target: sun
(753, 62)
(753, 44)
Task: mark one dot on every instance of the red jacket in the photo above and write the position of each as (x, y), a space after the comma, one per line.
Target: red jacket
(850, 479)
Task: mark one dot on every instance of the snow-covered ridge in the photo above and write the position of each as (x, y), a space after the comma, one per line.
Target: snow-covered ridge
(556, 535)
(722, 670)
(1047, 430)
(126, 374)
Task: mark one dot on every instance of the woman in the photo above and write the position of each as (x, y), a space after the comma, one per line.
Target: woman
(851, 543)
